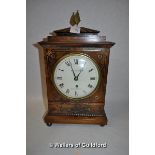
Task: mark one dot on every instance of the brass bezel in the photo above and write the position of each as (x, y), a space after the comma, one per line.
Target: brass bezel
(78, 54)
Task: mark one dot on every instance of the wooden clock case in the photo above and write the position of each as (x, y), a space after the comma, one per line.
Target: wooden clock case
(85, 111)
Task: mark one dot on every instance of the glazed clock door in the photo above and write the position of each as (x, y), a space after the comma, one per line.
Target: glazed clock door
(76, 76)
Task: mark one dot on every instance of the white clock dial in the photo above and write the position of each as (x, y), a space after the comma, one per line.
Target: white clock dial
(76, 76)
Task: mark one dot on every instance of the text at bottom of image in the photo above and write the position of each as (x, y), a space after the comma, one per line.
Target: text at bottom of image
(78, 145)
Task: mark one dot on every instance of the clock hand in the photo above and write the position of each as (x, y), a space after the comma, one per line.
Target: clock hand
(72, 70)
(76, 77)
(79, 73)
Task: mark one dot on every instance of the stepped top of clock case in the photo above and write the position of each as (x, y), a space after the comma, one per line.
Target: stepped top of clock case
(83, 32)
(86, 37)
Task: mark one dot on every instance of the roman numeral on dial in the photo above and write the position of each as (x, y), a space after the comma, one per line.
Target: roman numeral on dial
(67, 91)
(92, 78)
(59, 78)
(76, 94)
(61, 85)
(91, 70)
(90, 86)
(61, 70)
(67, 63)
(76, 61)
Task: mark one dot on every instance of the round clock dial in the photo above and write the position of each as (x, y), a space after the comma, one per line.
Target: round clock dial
(76, 76)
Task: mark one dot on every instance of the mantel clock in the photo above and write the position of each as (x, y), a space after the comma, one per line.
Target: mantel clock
(76, 67)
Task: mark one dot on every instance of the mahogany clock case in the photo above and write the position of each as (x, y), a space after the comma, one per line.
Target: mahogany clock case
(89, 110)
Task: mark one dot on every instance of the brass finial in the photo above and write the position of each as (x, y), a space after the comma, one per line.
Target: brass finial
(75, 18)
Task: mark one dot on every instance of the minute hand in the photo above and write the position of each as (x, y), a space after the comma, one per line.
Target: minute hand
(72, 70)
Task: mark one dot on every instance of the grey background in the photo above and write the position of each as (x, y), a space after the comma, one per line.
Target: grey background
(111, 18)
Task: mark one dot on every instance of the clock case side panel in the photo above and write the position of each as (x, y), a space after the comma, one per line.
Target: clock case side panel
(49, 59)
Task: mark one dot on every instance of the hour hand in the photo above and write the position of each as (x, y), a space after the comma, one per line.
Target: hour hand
(76, 77)
(80, 72)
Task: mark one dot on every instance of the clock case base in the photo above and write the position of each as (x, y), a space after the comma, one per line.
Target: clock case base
(100, 120)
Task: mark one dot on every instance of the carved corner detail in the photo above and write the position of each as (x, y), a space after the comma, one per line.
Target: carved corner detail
(50, 55)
